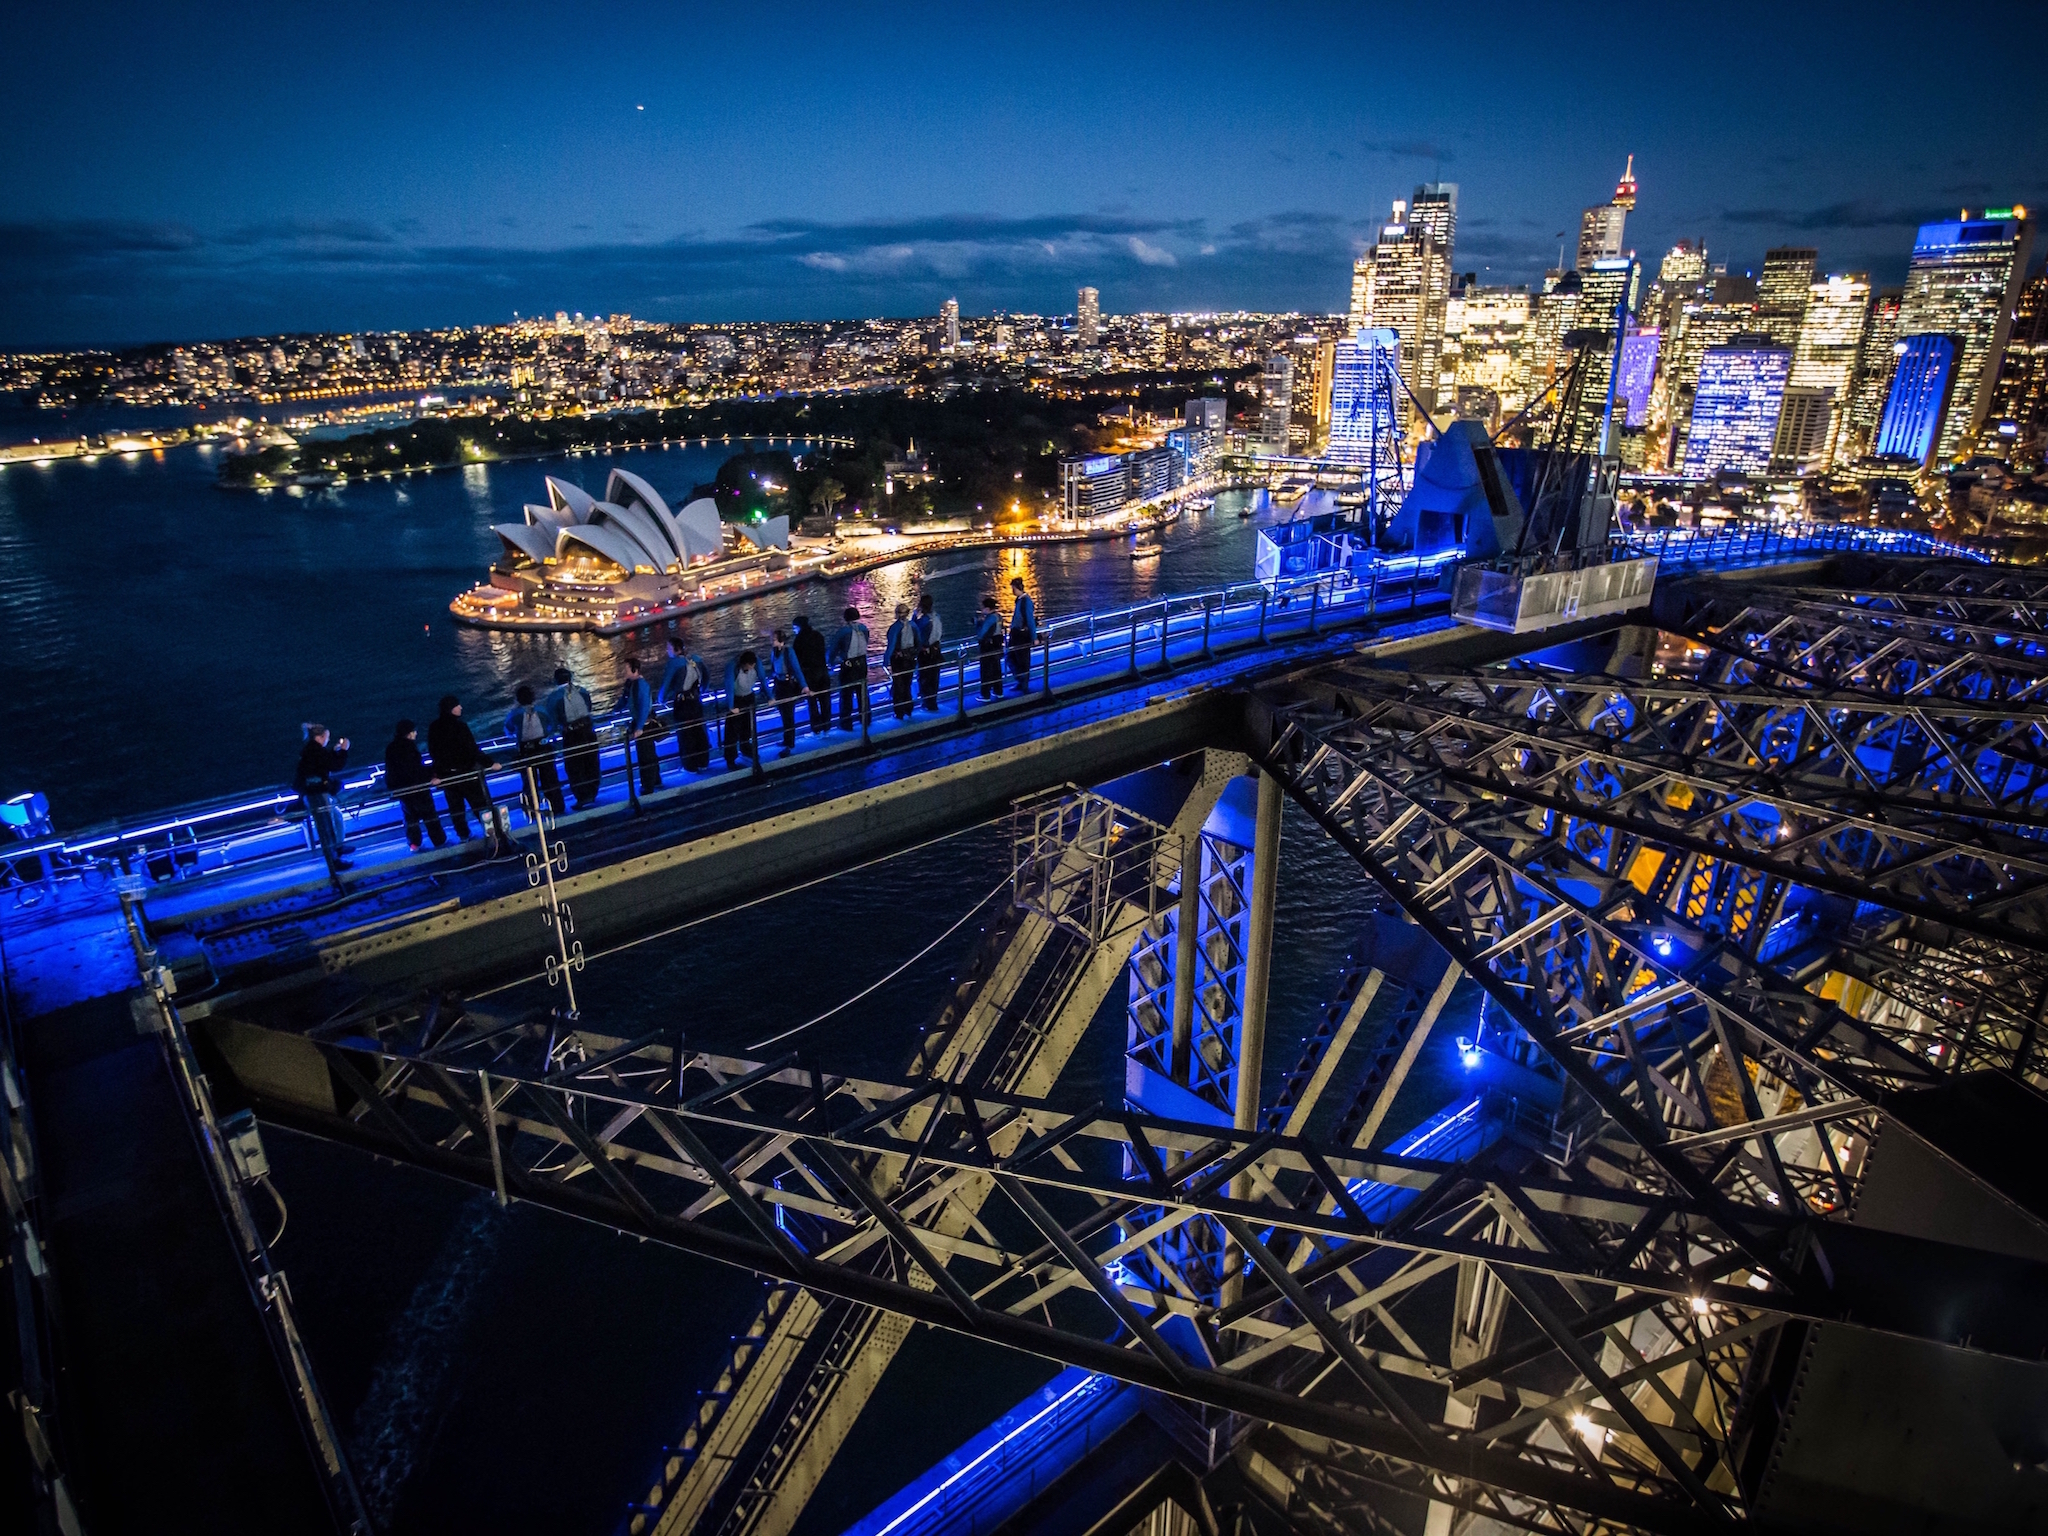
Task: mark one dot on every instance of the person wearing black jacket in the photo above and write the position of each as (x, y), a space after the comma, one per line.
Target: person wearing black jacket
(809, 646)
(318, 781)
(460, 765)
(406, 776)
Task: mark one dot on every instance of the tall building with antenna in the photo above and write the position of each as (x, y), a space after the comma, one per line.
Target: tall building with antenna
(1601, 226)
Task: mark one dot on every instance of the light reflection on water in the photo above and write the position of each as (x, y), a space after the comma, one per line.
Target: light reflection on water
(163, 637)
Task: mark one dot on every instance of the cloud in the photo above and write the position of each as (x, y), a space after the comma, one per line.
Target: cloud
(1858, 213)
(1407, 149)
(76, 282)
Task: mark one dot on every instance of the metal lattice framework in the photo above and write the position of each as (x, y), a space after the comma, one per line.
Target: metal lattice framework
(1000, 1215)
(1714, 801)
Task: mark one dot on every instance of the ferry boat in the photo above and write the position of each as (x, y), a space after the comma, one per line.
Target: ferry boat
(1146, 552)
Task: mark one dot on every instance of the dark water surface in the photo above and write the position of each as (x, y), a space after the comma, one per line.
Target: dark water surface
(162, 638)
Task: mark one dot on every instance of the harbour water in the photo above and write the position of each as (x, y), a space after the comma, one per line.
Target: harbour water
(161, 639)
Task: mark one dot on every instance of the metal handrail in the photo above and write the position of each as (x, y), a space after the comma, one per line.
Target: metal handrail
(1160, 633)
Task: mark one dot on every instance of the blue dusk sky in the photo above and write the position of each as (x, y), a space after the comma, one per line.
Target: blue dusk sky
(181, 171)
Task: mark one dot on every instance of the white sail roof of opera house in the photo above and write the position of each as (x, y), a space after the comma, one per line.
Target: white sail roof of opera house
(632, 526)
(703, 531)
(638, 524)
(531, 540)
(572, 499)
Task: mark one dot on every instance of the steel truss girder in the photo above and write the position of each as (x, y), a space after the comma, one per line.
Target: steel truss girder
(1777, 784)
(624, 1144)
(1850, 644)
(1568, 945)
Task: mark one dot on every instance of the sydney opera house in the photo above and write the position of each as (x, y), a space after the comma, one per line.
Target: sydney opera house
(584, 563)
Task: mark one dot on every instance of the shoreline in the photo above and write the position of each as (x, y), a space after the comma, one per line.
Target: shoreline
(318, 480)
(831, 568)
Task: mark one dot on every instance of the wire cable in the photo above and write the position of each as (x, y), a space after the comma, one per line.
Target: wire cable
(876, 986)
(710, 917)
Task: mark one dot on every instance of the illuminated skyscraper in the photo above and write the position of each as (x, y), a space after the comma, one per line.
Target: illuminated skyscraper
(1782, 292)
(1873, 373)
(1485, 333)
(1308, 421)
(2017, 424)
(1087, 317)
(1364, 388)
(1600, 232)
(1625, 189)
(949, 316)
(1964, 282)
(1735, 409)
(1921, 400)
(1684, 265)
(1804, 427)
(1701, 325)
(1607, 299)
(1276, 402)
(1543, 352)
(1636, 376)
(1403, 284)
(1830, 349)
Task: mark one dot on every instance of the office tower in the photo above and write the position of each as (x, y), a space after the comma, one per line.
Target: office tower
(1873, 373)
(1407, 280)
(1087, 317)
(1735, 408)
(1701, 325)
(1805, 424)
(1485, 333)
(1830, 348)
(1684, 265)
(1607, 299)
(949, 315)
(1600, 229)
(1543, 352)
(1782, 293)
(1636, 376)
(1921, 401)
(1964, 281)
(1679, 276)
(1309, 415)
(1364, 386)
(2018, 420)
(1206, 414)
(1276, 402)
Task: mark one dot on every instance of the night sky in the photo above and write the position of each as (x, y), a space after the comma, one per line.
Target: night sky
(184, 171)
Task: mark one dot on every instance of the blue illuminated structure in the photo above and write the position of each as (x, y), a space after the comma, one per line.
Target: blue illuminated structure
(1921, 385)
(1636, 374)
(1735, 409)
(1365, 428)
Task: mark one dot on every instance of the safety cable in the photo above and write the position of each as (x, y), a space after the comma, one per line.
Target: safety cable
(709, 917)
(906, 965)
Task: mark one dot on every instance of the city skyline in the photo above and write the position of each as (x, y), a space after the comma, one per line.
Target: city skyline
(1238, 168)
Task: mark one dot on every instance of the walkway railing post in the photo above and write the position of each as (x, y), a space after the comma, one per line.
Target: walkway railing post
(1165, 629)
(754, 730)
(1315, 602)
(963, 684)
(1046, 640)
(1205, 624)
(866, 716)
(1134, 639)
(1265, 597)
